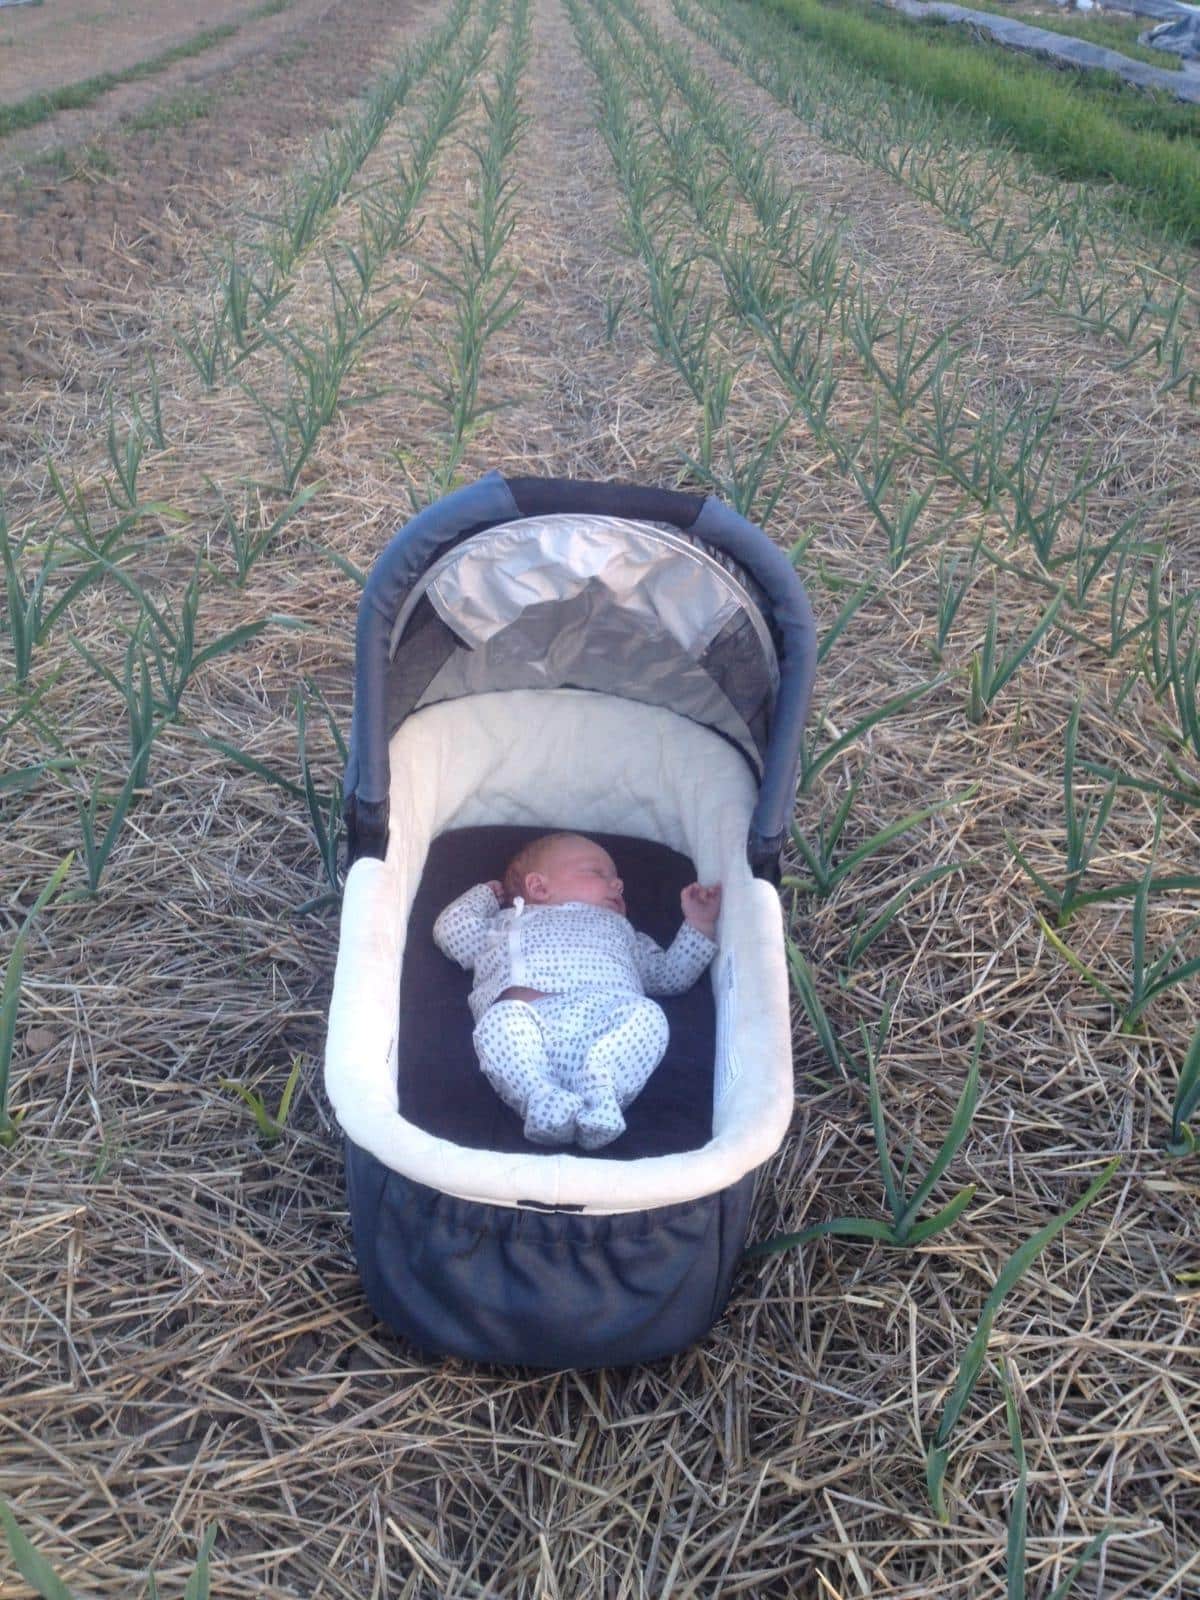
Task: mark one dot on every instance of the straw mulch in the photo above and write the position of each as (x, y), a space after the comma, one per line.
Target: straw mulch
(183, 1341)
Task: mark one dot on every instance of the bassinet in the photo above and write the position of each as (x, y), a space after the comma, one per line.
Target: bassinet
(634, 664)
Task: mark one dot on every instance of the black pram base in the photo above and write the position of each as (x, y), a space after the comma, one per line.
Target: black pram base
(542, 1289)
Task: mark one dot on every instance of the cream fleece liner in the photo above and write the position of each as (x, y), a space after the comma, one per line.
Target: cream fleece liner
(532, 757)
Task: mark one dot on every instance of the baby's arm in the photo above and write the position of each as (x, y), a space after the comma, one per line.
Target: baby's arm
(462, 928)
(675, 970)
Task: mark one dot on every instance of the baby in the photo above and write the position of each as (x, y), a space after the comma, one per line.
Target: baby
(564, 1032)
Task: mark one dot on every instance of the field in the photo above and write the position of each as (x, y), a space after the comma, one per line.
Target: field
(253, 318)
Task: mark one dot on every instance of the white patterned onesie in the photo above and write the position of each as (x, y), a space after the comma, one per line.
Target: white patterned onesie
(571, 1062)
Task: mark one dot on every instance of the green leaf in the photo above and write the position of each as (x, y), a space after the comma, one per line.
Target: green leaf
(805, 986)
(957, 1132)
(843, 1227)
(972, 1362)
(935, 1474)
(269, 1129)
(861, 941)
(945, 1218)
(1093, 1547)
(25, 778)
(251, 764)
(10, 994)
(1018, 1513)
(345, 566)
(1187, 1098)
(289, 1089)
(886, 1170)
(812, 765)
(198, 1585)
(893, 830)
(34, 1568)
(1084, 971)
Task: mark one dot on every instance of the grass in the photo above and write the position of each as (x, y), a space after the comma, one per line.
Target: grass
(35, 108)
(173, 111)
(1074, 131)
(1067, 243)
(89, 161)
(1145, 110)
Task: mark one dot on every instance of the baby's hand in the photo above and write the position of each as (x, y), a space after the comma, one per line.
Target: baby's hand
(497, 889)
(701, 907)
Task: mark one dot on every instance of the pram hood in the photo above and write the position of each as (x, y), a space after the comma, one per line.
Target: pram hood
(655, 596)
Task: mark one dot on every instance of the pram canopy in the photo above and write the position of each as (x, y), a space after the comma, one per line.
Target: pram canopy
(653, 595)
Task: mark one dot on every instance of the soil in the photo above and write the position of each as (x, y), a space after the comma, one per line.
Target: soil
(88, 228)
(45, 47)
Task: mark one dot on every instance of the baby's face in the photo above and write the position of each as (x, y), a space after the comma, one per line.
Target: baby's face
(576, 869)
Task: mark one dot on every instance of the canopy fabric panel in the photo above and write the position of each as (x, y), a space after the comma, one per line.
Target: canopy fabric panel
(388, 687)
(591, 602)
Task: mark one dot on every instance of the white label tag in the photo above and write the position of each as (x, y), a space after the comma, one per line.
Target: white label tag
(727, 1068)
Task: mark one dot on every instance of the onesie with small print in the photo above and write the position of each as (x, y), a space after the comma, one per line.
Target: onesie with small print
(569, 1063)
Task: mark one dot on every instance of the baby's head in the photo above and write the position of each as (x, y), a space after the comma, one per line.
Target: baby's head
(564, 866)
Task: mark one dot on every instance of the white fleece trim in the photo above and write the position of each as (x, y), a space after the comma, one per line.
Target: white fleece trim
(599, 764)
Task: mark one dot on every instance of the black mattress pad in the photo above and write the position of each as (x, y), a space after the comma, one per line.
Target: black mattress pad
(442, 1089)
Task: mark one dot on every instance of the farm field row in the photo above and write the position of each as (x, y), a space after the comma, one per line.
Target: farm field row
(664, 242)
(126, 203)
(43, 48)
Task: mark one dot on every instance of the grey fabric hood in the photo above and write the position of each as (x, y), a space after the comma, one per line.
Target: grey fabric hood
(605, 603)
(652, 594)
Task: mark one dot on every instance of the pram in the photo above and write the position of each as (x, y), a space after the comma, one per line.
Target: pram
(634, 664)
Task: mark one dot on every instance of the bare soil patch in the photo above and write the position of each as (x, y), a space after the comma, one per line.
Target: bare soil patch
(84, 239)
(46, 47)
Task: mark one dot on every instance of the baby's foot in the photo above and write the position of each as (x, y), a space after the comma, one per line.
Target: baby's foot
(599, 1123)
(550, 1115)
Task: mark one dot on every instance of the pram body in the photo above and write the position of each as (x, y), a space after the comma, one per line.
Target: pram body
(630, 663)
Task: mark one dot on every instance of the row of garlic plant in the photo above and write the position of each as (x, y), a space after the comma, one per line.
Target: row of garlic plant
(786, 281)
(244, 298)
(987, 671)
(102, 528)
(318, 359)
(479, 276)
(45, 571)
(314, 359)
(1006, 459)
(682, 321)
(252, 278)
(1066, 250)
(316, 362)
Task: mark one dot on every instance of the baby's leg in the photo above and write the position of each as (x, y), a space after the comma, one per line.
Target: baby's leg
(512, 1053)
(626, 1043)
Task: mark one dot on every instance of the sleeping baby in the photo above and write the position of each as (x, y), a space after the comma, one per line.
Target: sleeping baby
(563, 1029)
